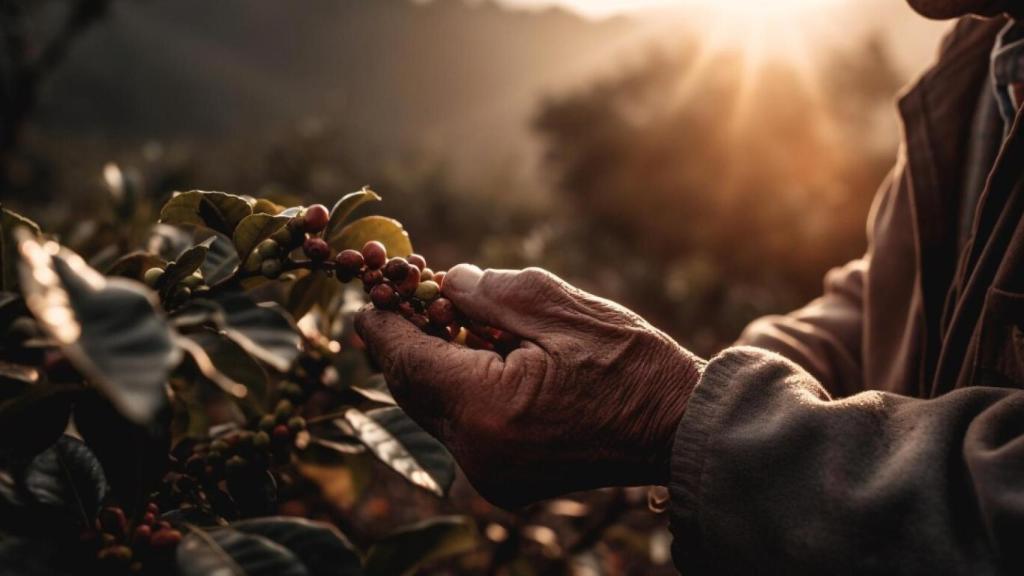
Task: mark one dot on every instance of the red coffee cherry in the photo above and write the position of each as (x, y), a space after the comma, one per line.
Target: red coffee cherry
(406, 310)
(112, 519)
(418, 261)
(315, 218)
(281, 432)
(371, 278)
(408, 286)
(349, 262)
(396, 269)
(384, 297)
(439, 279)
(167, 538)
(143, 533)
(441, 312)
(316, 248)
(375, 254)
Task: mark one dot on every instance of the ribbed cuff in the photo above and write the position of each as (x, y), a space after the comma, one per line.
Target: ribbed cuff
(690, 451)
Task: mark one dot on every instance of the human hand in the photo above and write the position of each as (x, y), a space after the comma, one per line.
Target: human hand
(592, 397)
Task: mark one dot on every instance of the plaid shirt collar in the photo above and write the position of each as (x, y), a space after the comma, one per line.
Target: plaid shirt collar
(1008, 71)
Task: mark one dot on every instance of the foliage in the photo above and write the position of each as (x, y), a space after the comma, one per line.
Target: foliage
(178, 393)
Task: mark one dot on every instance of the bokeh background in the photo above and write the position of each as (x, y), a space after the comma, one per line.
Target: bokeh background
(701, 161)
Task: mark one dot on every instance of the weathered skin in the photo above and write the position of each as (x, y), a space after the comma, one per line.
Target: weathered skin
(592, 399)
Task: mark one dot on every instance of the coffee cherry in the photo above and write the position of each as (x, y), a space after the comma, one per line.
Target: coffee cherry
(412, 280)
(111, 519)
(296, 424)
(420, 322)
(219, 446)
(193, 280)
(281, 433)
(269, 248)
(406, 309)
(271, 268)
(152, 276)
(426, 274)
(384, 297)
(142, 534)
(441, 312)
(349, 262)
(261, 439)
(316, 248)
(148, 518)
(267, 423)
(152, 508)
(428, 291)
(375, 254)
(164, 539)
(439, 278)
(118, 554)
(315, 218)
(418, 261)
(396, 269)
(371, 278)
(283, 411)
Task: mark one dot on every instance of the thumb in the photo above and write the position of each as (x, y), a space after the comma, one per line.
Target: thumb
(524, 302)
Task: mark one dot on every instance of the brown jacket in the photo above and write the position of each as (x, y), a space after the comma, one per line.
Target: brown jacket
(891, 437)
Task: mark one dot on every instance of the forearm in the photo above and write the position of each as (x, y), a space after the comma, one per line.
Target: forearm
(771, 475)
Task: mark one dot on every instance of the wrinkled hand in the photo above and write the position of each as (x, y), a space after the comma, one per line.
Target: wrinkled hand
(591, 399)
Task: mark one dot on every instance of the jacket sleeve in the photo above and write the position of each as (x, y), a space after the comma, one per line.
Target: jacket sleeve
(771, 475)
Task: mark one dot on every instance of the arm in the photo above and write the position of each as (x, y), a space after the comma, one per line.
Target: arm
(769, 474)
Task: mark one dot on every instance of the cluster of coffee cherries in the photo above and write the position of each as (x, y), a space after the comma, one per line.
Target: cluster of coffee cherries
(229, 476)
(269, 259)
(189, 285)
(409, 287)
(123, 548)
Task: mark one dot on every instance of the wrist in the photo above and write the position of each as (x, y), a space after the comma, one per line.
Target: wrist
(675, 397)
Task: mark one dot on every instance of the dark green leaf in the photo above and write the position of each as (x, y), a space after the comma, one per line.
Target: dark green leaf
(134, 457)
(66, 477)
(134, 265)
(264, 330)
(9, 222)
(189, 261)
(405, 447)
(217, 210)
(405, 550)
(321, 548)
(386, 230)
(221, 261)
(264, 206)
(34, 420)
(233, 361)
(109, 328)
(228, 552)
(375, 388)
(315, 287)
(343, 209)
(255, 229)
(168, 242)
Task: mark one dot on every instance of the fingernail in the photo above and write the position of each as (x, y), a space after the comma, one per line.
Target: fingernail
(463, 278)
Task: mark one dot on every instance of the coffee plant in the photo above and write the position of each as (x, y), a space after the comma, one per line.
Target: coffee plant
(159, 407)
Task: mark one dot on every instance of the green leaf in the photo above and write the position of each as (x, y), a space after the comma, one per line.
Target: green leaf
(408, 548)
(221, 261)
(33, 421)
(264, 206)
(217, 210)
(109, 328)
(322, 549)
(375, 388)
(405, 447)
(264, 330)
(231, 360)
(230, 552)
(343, 209)
(315, 287)
(67, 477)
(189, 261)
(255, 229)
(9, 222)
(386, 230)
(135, 264)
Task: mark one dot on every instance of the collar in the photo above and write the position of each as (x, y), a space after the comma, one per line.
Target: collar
(1008, 70)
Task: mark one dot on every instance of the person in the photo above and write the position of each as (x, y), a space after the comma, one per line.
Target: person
(880, 429)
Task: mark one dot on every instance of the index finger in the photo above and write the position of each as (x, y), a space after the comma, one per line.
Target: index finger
(426, 374)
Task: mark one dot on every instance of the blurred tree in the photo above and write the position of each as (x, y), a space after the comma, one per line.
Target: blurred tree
(720, 197)
(28, 56)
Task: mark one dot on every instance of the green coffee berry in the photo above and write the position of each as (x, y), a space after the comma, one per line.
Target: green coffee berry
(152, 276)
(427, 291)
